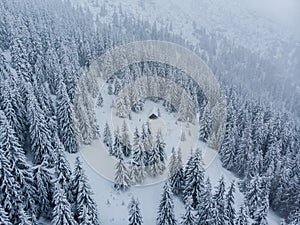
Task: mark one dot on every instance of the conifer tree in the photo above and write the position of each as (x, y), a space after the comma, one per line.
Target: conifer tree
(204, 210)
(10, 189)
(107, 138)
(62, 213)
(194, 178)
(166, 208)
(42, 174)
(63, 171)
(122, 178)
(21, 170)
(39, 132)
(138, 158)
(125, 140)
(65, 121)
(205, 125)
(100, 100)
(13, 108)
(172, 163)
(189, 217)
(242, 217)
(218, 209)
(176, 173)
(155, 166)
(135, 217)
(229, 206)
(257, 198)
(85, 207)
(117, 148)
(227, 151)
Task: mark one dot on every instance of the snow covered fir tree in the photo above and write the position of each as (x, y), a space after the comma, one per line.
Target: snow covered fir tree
(134, 151)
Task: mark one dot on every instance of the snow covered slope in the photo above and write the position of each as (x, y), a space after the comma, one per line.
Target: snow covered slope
(240, 21)
(100, 170)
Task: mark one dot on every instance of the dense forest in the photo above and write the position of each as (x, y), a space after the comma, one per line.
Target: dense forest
(45, 48)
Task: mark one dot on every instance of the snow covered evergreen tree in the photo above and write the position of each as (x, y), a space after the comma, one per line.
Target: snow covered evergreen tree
(122, 177)
(156, 163)
(227, 151)
(176, 173)
(99, 100)
(21, 170)
(85, 207)
(257, 198)
(39, 132)
(219, 199)
(65, 120)
(166, 208)
(63, 174)
(117, 147)
(125, 140)
(137, 170)
(13, 107)
(194, 178)
(62, 213)
(189, 217)
(242, 217)
(107, 138)
(172, 163)
(135, 217)
(229, 206)
(204, 210)
(42, 174)
(205, 125)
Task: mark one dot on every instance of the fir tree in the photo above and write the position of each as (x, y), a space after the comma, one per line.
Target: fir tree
(227, 151)
(21, 170)
(204, 210)
(13, 108)
(242, 217)
(244, 146)
(177, 176)
(135, 217)
(166, 208)
(205, 125)
(194, 178)
(229, 206)
(122, 178)
(65, 120)
(219, 203)
(63, 171)
(85, 206)
(125, 140)
(42, 174)
(39, 132)
(62, 213)
(189, 217)
(107, 139)
(8, 184)
(100, 100)
(257, 198)
(138, 158)
(172, 164)
(117, 148)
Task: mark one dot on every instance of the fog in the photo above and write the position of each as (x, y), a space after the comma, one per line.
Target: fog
(284, 12)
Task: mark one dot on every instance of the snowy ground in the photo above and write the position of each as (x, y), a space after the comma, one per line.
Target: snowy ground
(99, 166)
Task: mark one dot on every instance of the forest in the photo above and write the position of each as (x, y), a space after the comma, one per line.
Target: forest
(45, 49)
